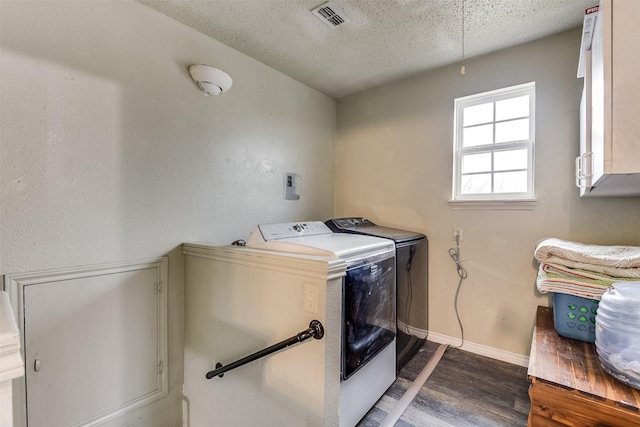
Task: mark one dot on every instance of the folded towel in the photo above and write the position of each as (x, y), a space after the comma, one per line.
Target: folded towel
(565, 280)
(615, 261)
(563, 285)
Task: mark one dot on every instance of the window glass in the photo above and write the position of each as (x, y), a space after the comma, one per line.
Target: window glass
(512, 108)
(510, 182)
(509, 160)
(476, 184)
(477, 135)
(514, 130)
(476, 163)
(478, 114)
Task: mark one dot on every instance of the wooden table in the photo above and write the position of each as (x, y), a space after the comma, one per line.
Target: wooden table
(568, 386)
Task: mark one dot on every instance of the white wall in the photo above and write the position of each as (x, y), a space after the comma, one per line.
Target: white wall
(394, 160)
(109, 152)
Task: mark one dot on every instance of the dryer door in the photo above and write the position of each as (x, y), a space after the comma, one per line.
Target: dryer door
(369, 313)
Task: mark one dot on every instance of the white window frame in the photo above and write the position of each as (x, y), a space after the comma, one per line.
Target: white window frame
(458, 151)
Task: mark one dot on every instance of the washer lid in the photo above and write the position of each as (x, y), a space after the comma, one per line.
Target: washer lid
(315, 238)
(340, 245)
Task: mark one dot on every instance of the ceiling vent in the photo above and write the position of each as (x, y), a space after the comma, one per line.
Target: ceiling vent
(329, 14)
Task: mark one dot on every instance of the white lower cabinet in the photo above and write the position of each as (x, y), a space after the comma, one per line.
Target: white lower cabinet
(94, 341)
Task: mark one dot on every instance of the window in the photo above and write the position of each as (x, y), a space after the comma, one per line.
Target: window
(493, 145)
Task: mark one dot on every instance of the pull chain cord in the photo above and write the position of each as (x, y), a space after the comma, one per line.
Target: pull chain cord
(462, 69)
(462, 274)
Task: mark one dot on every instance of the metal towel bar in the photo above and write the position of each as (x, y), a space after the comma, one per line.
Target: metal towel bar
(315, 330)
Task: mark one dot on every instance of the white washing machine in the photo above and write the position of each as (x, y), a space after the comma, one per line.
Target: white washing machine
(368, 342)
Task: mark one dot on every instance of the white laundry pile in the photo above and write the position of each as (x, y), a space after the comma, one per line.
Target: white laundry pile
(584, 270)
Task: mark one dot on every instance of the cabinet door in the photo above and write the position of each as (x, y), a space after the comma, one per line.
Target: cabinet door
(615, 110)
(94, 341)
(584, 162)
(600, 95)
(625, 87)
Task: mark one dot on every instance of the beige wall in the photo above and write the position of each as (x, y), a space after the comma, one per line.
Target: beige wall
(393, 165)
(262, 305)
(109, 152)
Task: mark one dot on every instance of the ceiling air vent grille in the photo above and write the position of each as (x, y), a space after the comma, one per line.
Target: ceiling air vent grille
(329, 14)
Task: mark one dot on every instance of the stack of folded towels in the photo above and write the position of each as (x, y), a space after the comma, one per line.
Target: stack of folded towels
(584, 270)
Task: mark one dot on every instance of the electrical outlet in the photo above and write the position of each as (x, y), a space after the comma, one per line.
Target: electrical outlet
(311, 298)
(457, 231)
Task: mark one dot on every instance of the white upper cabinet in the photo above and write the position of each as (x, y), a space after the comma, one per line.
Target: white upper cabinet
(609, 164)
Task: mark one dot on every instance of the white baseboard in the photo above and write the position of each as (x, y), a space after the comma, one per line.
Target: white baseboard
(483, 350)
(472, 347)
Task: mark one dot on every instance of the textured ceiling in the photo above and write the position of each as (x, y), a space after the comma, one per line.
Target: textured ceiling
(383, 40)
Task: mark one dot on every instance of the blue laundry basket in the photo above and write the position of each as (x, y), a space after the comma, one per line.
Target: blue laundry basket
(575, 317)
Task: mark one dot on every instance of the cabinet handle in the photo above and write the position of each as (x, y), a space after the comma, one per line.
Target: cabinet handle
(579, 178)
(583, 169)
(587, 161)
(36, 365)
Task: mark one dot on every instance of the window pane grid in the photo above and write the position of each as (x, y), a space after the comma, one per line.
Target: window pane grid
(506, 146)
(515, 129)
(487, 172)
(494, 144)
(512, 119)
(484, 181)
(495, 122)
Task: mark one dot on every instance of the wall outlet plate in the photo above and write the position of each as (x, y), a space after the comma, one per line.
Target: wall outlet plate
(291, 184)
(457, 231)
(311, 298)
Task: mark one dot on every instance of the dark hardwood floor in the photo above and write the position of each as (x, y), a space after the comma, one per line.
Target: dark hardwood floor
(464, 390)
